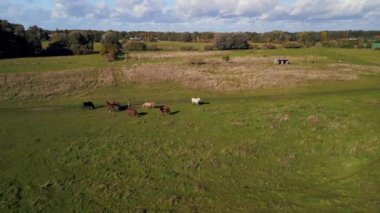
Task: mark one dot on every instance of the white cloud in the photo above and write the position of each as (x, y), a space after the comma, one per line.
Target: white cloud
(217, 15)
(223, 8)
(72, 9)
(139, 9)
(339, 9)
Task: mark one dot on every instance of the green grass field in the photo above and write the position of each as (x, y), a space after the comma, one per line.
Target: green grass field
(310, 147)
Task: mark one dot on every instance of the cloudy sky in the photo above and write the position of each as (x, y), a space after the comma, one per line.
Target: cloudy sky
(195, 15)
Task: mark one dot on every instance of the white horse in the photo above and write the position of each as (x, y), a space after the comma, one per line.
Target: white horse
(149, 105)
(196, 101)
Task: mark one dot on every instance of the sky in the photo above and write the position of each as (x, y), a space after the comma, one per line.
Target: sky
(195, 15)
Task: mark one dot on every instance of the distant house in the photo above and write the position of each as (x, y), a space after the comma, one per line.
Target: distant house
(375, 46)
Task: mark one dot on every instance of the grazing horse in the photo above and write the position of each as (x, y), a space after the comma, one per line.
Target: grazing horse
(132, 112)
(88, 105)
(149, 105)
(113, 106)
(196, 101)
(164, 110)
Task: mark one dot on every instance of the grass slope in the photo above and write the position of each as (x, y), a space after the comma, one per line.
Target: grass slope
(295, 152)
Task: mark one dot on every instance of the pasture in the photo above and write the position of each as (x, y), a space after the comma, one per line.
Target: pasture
(298, 137)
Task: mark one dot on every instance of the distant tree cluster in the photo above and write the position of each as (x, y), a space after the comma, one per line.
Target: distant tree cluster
(228, 41)
(75, 42)
(15, 41)
(342, 39)
(169, 36)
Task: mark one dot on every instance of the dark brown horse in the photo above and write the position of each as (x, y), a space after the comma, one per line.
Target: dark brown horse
(164, 110)
(88, 105)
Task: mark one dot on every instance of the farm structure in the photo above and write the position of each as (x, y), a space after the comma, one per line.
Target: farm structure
(375, 46)
(281, 61)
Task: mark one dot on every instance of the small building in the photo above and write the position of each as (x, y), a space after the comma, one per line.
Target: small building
(375, 46)
(281, 61)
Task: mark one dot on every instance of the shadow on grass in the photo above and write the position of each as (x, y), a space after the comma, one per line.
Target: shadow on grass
(141, 114)
(98, 107)
(203, 103)
(175, 112)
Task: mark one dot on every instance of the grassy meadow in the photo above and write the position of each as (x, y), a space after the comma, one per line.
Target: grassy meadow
(304, 137)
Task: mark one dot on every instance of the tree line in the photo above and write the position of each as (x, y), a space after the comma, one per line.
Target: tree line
(16, 41)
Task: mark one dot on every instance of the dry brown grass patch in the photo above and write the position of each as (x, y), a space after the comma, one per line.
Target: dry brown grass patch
(48, 84)
(243, 73)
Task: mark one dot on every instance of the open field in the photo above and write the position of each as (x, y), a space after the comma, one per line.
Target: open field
(301, 137)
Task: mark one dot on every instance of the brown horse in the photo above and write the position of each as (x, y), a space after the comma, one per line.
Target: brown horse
(113, 106)
(164, 110)
(132, 112)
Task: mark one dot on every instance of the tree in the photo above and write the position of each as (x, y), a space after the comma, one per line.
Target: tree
(13, 42)
(12, 46)
(59, 45)
(309, 38)
(33, 36)
(186, 37)
(324, 35)
(110, 45)
(80, 43)
(229, 41)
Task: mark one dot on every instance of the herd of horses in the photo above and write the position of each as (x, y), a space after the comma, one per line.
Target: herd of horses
(115, 106)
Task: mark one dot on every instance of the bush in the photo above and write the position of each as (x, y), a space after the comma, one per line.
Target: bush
(226, 58)
(134, 46)
(187, 48)
(291, 44)
(228, 41)
(270, 46)
(80, 50)
(209, 47)
(57, 49)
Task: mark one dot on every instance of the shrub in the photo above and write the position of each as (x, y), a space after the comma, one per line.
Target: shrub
(229, 41)
(209, 47)
(77, 49)
(57, 49)
(270, 46)
(226, 58)
(134, 46)
(291, 44)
